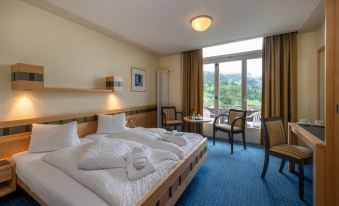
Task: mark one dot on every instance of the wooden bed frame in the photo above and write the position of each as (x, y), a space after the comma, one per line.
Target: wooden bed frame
(15, 137)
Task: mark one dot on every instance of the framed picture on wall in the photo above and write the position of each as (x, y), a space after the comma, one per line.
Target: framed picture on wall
(138, 80)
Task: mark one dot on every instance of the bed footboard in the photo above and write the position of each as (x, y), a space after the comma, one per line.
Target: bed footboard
(169, 189)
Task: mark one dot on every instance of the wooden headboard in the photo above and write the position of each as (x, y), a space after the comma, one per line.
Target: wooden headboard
(15, 135)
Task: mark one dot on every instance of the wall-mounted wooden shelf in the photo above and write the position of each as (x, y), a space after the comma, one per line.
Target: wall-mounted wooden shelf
(58, 89)
(31, 77)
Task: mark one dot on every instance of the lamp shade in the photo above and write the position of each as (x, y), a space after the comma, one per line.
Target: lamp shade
(201, 23)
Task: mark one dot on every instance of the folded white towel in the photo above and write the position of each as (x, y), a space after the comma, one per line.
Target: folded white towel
(178, 138)
(139, 164)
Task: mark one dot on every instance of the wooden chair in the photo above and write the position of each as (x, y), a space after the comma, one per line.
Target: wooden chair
(275, 141)
(170, 117)
(234, 125)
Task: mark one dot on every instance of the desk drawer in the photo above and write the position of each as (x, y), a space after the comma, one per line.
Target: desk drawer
(6, 174)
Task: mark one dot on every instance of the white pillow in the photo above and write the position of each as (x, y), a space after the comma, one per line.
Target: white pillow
(108, 124)
(47, 137)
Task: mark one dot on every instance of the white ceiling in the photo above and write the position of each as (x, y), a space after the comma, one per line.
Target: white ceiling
(162, 26)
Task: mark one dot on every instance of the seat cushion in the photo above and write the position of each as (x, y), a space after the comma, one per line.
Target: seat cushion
(294, 151)
(227, 127)
(174, 122)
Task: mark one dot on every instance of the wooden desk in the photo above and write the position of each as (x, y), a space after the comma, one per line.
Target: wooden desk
(318, 146)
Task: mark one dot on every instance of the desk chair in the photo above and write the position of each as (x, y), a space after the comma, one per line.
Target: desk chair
(275, 141)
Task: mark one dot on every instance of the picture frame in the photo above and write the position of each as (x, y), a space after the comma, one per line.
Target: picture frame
(138, 80)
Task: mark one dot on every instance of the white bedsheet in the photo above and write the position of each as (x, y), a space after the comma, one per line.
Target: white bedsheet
(52, 185)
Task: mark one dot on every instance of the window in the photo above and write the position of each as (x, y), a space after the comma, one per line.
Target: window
(233, 77)
(254, 84)
(233, 48)
(208, 86)
(230, 85)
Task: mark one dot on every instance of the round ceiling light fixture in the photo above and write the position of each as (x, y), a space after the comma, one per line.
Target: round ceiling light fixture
(201, 23)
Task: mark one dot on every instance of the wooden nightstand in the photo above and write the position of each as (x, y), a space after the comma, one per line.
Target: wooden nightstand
(7, 177)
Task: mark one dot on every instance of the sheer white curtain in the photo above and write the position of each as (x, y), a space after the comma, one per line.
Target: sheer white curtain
(162, 93)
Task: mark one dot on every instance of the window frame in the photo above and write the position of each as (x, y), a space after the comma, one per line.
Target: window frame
(243, 57)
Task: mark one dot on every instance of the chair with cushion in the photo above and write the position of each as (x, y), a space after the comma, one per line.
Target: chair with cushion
(171, 118)
(234, 125)
(275, 141)
(256, 120)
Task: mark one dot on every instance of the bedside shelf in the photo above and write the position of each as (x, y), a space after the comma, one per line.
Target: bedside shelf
(5, 189)
(7, 177)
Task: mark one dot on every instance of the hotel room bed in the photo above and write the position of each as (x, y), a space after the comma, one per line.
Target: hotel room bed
(55, 187)
(49, 185)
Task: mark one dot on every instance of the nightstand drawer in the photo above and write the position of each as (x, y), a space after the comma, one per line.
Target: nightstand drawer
(6, 174)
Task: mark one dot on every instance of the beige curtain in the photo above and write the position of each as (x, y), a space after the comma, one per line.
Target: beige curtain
(280, 77)
(192, 82)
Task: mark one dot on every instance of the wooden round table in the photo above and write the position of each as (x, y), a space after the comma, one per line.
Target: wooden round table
(197, 122)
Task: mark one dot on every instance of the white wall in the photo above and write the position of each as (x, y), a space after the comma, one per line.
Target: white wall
(73, 56)
(320, 34)
(307, 70)
(307, 46)
(173, 64)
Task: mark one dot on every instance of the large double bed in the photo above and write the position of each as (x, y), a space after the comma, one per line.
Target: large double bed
(50, 185)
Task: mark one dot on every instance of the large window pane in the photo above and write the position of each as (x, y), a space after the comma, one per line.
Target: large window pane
(233, 48)
(254, 84)
(230, 85)
(208, 85)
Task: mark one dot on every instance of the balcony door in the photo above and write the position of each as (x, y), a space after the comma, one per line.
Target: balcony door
(233, 83)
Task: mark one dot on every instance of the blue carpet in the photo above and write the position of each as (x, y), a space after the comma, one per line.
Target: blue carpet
(227, 179)
(18, 198)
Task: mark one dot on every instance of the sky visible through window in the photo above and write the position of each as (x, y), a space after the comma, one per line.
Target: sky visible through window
(254, 68)
(233, 48)
(233, 67)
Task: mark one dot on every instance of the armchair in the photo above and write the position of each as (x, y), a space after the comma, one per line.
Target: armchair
(234, 125)
(171, 118)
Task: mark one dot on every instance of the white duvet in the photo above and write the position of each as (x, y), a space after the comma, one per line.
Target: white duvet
(152, 138)
(111, 184)
(192, 138)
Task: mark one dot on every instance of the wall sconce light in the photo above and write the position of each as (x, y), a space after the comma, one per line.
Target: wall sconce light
(27, 77)
(115, 83)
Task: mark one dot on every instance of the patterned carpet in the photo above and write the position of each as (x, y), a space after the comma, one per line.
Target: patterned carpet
(227, 179)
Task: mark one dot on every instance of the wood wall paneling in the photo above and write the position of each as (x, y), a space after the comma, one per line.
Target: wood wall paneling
(331, 99)
(87, 124)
